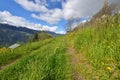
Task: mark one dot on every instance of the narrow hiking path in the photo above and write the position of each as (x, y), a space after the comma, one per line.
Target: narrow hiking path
(12, 62)
(79, 63)
(9, 64)
(48, 63)
(74, 62)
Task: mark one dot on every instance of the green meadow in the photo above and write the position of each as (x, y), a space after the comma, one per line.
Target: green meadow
(89, 53)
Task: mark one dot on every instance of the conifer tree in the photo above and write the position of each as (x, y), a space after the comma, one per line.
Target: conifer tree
(35, 38)
(43, 35)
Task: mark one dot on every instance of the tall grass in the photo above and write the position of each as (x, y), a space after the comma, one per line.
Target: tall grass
(47, 63)
(100, 42)
(9, 55)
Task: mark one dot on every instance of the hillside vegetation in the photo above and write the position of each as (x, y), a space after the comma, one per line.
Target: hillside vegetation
(90, 53)
(13, 34)
(100, 44)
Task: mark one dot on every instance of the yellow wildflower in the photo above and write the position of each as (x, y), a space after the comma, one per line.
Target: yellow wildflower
(109, 68)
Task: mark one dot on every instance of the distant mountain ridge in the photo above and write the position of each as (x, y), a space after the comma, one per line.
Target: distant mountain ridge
(11, 34)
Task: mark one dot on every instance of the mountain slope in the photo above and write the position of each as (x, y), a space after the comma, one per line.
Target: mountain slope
(12, 34)
(47, 61)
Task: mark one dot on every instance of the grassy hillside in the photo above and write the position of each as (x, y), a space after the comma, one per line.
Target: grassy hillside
(90, 53)
(99, 43)
(11, 34)
(44, 62)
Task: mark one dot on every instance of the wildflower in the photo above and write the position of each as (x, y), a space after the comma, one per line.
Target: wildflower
(103, 63)
(109, 69)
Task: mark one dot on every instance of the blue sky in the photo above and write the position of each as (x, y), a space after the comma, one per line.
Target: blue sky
(17, 10)
(50, 15)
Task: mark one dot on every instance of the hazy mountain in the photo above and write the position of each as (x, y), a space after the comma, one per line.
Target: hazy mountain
(11, 34)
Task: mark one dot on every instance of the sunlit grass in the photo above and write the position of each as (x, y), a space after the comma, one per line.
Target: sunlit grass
(101, 45)
(50, 62)
(96, 46)
(8, 55)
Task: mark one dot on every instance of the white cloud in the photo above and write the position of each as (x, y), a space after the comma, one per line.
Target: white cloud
(47, 28)
(52, 16)
(115, 2)
(70, 9)
(41, 2)
(61, 32)
(7, 17)
(83, 21)
(56, 0)
(31, 6)
(83, 8)
(80, 8)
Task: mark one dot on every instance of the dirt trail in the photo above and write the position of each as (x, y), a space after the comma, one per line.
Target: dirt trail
(12, 62)
(75, 62)
(9, 64)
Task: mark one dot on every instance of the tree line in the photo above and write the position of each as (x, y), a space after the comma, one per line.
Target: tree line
(40, 36)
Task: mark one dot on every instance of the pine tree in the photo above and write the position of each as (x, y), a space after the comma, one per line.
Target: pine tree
(35, 38)
(43, 35)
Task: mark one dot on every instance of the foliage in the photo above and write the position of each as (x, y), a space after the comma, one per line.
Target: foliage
(97, 45)
(99, 42)
(43, 35)
(9, 55)
(35, 37)
(11, 34)
(50, 62)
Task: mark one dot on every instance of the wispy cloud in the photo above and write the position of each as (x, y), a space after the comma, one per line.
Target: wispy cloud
(7, 17)
(61, 32)
(31, 6)
(57, 0)
(70, 9)
(80, 8)
(52, 16)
